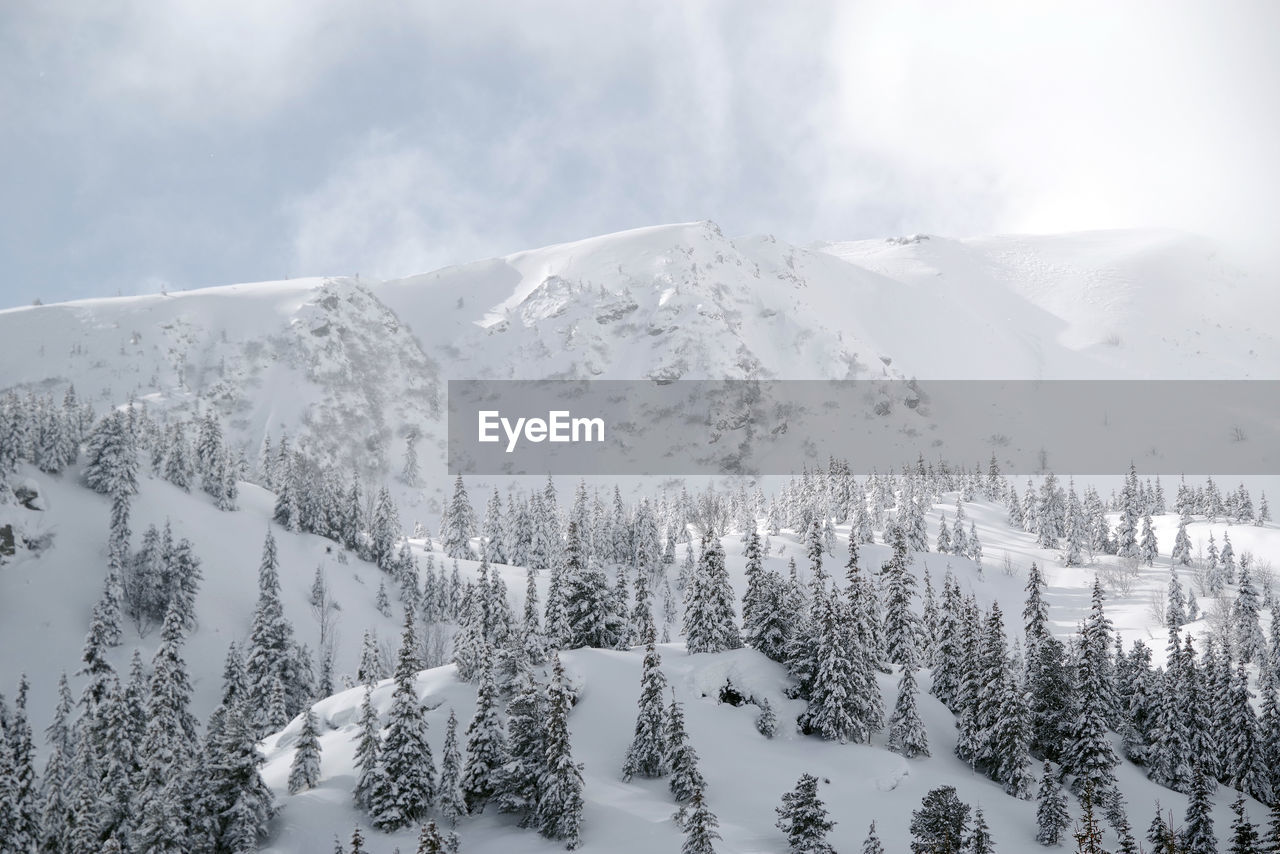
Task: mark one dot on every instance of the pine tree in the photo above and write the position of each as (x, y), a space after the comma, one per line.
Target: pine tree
(1161, 835)
(1197, 831)
(1175, 615)
(844, 699)
(766, 721)
(979, 841)
(803, 818)
(238, 805)
(111, 466)
(755, 597)
(1088, 834)
(710, 621)
(941, 825)
(943, 544)
(304, 773)
(168, 747)
(1149, 549)
(682, 759)
(272, 656)
(1052, 817)
(432, 841)
(493, 531)
(559, 811)
(19, 791)
(699, 826)
(872, 844)
(368, 753)
(907, 734)
(408, 778)
(410, 473)
(647, 755)
(1089, 755)
(486, 745)
(526, 717)
(459, 524)
(1182, 542)
(1244, 834)
(1242, 740)
(1251, 646)
(451, 802)
(899, 619)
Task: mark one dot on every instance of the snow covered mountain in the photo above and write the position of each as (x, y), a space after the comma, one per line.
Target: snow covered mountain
(350, 370)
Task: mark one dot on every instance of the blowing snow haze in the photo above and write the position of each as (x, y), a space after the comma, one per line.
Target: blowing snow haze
(246, 606)
(189, 144)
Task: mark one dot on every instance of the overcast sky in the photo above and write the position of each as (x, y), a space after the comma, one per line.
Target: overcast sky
(185, 143)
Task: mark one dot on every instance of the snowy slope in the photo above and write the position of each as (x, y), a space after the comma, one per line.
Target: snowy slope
(348, 367)
(747, 774)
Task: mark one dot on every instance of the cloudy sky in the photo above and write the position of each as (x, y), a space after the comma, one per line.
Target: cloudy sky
(191, 142)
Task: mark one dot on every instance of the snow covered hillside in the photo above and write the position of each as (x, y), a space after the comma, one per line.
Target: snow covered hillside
(222, 508)
(351, 369)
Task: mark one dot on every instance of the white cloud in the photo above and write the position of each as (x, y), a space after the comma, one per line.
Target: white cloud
(1053, 115)
(387, 210)
(398, 136)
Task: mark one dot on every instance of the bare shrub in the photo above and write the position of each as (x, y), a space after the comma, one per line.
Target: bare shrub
(1119, 576)
(1157, 608)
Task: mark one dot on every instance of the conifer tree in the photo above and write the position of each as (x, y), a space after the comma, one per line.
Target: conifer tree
(111, 466)
(590, 608)
(272, 655)
(407, 782)
(682, 759)
(979, 841)
(559, 810)
(1242, 740)
(459, 524)
(647, 755)
(237, 805)
(432, 841)
(1182, 542)
(844, 699)
(941, 825)
(710, 622)
(872, 844)
(168, 747)
(1149, 549)
(1161, 835)
(700, 826)
(766, 721)
(943, 544)
(486, 753)
(1089, 755)
(1244, 834)
(907, 734)
(899, 618)
(803, 818)
(755, 597)
(368, 753)
(1052, 817)
(452, 801)
(1088, 834)
(304, 772)
(1197, 828)
(1251, 646)
(526, 716)
(19, 790)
